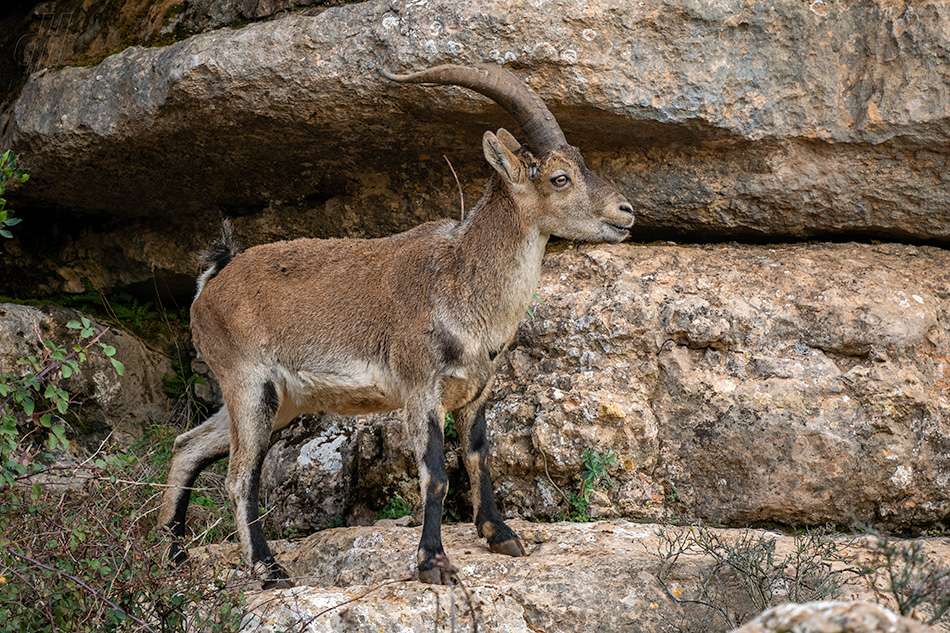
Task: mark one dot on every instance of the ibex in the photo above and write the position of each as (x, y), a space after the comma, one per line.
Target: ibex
(419, 320)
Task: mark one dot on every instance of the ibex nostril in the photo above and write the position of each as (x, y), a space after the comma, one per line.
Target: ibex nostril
(626, 208)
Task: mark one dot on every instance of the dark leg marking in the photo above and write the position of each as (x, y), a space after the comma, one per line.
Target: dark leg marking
(271, 400)
(434, 463)
(450, 348)
(176, 526)
(478, 436)
(260, 551)
(488, 520)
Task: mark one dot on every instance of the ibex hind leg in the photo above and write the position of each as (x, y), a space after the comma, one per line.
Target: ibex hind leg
(193, 451)
(254, 414)
(488, 521)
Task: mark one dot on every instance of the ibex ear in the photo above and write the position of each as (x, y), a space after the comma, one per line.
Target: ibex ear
(508, 140)
(502, 159)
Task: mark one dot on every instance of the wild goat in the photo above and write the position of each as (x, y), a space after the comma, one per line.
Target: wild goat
(418, 320)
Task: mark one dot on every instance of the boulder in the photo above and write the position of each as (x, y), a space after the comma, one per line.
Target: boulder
(722, 120)
(801, 384)
(107, 402)
(832, 617)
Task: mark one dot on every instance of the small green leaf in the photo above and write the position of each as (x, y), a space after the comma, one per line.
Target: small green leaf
(119, 367)
(73, 325)
(13, 221)
(46, 420)
(28, 406)
(5, 233)
(108, 350)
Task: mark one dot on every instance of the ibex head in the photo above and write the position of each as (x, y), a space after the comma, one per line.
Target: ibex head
(548, 175)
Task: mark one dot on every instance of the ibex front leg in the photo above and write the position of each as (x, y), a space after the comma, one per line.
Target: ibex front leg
(488, 521)
(426, 425)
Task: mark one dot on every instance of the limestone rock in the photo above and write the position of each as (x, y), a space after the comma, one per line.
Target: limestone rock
(573, 570)
(124, 404)
(324, 469)
(770, 120)
(832, 617)
(801, 384)
(578, 577)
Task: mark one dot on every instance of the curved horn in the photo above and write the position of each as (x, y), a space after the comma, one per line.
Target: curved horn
(504, 88)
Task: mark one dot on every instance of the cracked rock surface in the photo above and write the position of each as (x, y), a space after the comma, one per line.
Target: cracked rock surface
(578, 577)
(801, 384)
(766, 121)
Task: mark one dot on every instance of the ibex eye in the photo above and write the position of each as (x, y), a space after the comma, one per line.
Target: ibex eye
(560, 181)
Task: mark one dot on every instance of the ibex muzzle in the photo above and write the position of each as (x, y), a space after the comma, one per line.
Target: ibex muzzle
(418, 320)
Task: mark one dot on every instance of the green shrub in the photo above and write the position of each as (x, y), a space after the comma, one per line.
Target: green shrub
(594, 475)
(10, 174)
(80, 553)
(395, 508)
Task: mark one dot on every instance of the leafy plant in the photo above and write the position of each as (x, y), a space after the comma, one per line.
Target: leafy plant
(395, 508)
(67, 568)
(448, 430)
(64, 567)
(32, 402)
(10, 174)
(594, 475)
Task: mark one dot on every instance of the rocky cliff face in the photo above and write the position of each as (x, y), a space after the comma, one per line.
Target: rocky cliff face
(717, 120)
(733, 383)
(800, 377)
(802, 384)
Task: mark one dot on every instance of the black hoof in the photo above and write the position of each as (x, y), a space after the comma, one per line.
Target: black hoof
(511, 547)
(434, 576)
(273, 575)
(176, 553)
(437, 571)
(277, 583)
